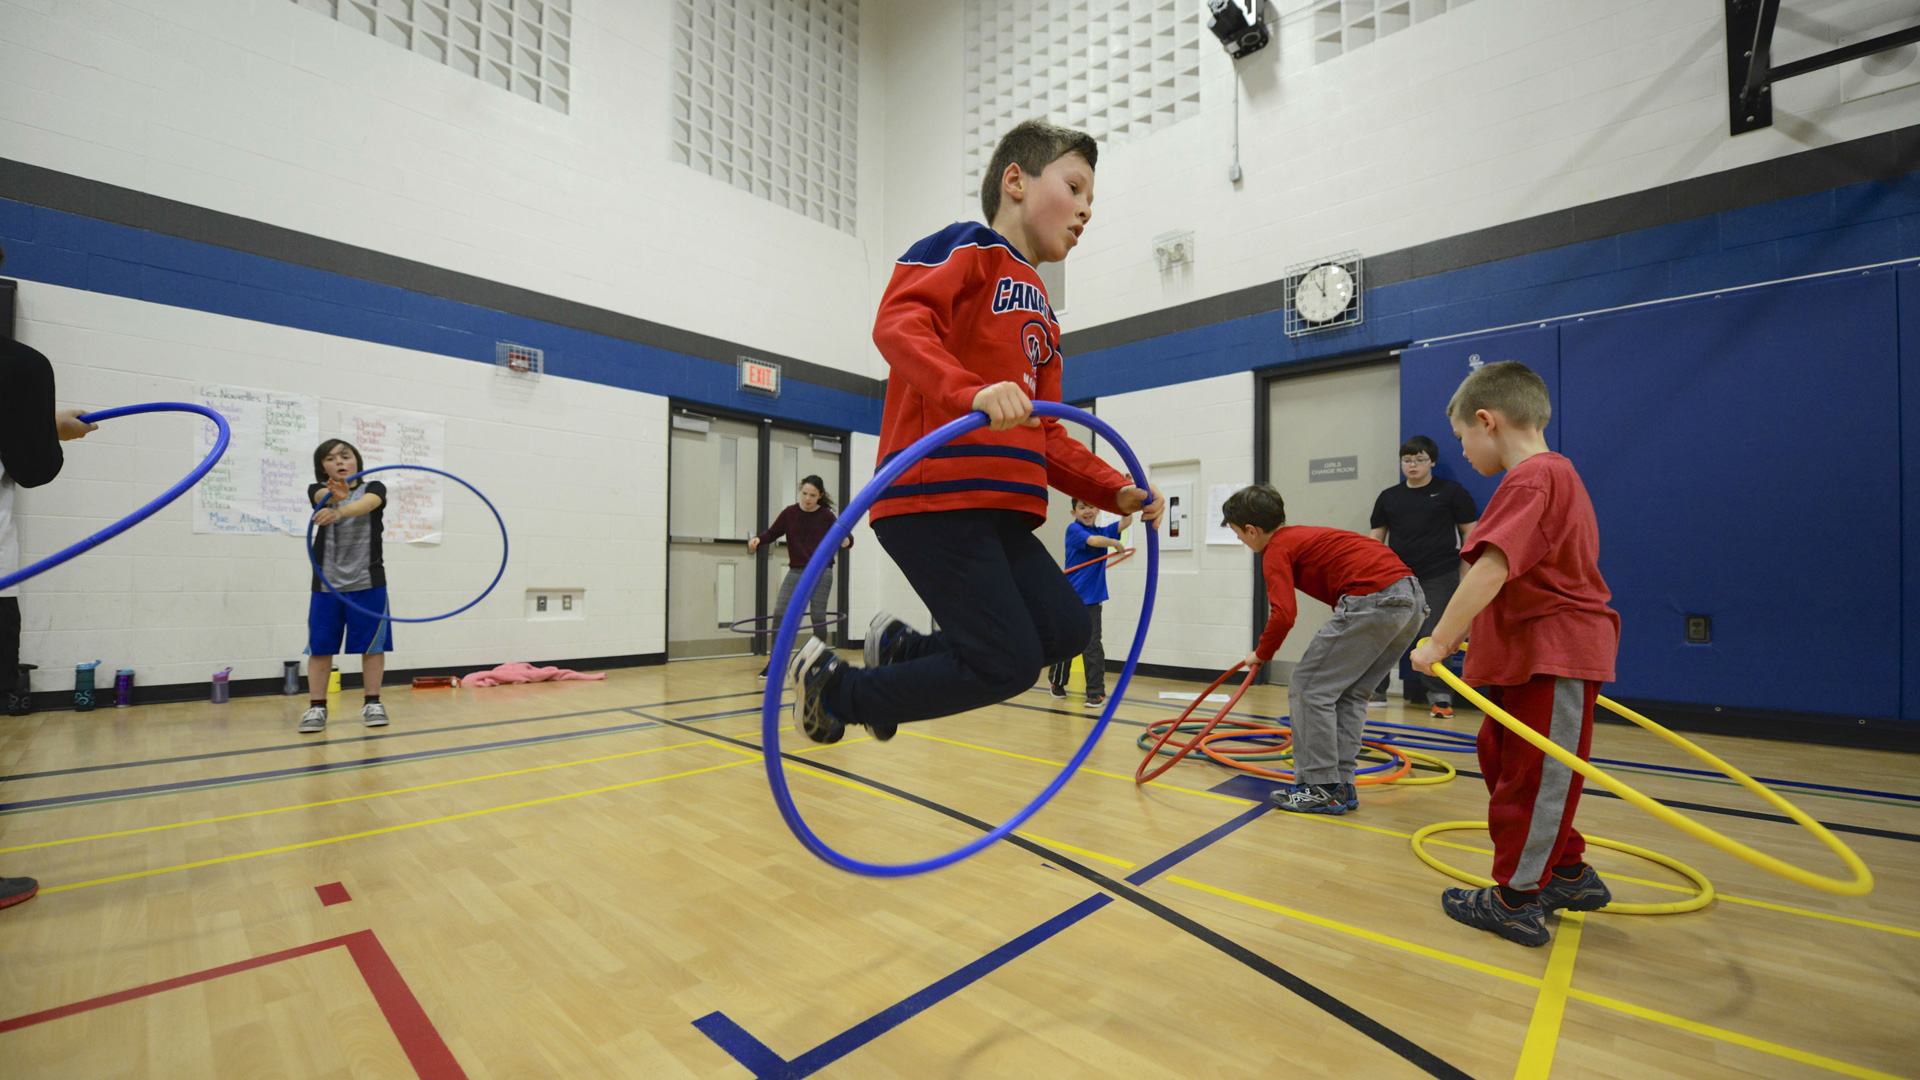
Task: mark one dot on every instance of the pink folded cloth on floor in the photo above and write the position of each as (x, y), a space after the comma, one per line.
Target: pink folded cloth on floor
(525, 673)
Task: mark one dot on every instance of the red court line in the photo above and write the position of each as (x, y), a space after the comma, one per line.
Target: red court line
(431, 1058)
(331, 894)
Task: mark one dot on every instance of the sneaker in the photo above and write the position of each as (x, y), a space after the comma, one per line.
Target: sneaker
(1584, 893)
(763, 672)
(1351, 793)
(1376, 703)
(807, 676)
(1059, 692)
(17, 890)
(1441, 712)
(373, 714)
(314, 719)
(1313, 799)
(1094, 701)
(885, 635)
(1483, 909)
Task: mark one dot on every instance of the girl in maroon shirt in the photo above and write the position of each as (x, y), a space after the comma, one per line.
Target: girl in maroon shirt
(804, 524)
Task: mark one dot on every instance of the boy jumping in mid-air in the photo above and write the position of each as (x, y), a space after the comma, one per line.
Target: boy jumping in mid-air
(965, 326)
(1377, 608)
(1543, 641)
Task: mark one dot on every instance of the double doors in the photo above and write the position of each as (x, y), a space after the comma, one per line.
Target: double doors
(729, 477)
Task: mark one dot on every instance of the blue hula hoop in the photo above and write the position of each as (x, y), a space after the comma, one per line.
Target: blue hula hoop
(783, 647)
(363, 609)
(147, 511)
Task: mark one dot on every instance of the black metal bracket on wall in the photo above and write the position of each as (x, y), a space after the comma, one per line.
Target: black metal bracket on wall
(1750, 70)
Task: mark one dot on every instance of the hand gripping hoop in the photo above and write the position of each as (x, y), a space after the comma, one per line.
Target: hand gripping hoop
(362, 609)
(1861, 884)
(147, 511)
(789, 626)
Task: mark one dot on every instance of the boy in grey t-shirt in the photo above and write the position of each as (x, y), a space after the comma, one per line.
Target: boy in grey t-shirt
(346, 544)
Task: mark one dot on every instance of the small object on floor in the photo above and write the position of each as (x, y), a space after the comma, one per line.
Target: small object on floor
(435, 682)
(1441, 712)
(1058, 692)
(373, 714)
(1094, 701)
(314, 719)
(1483, 909)
(17, 890)
(222, 688)
(1376, 703)
(1314, 799)
(526, 673)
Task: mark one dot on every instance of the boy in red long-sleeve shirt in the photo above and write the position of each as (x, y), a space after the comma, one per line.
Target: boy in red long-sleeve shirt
(965, 326)
(1377, 609)
(1544, 640)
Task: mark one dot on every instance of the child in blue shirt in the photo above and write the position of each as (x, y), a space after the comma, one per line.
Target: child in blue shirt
(1088, 543)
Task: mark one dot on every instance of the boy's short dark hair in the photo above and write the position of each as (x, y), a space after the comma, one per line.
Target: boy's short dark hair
(325, 448)
(1507, 387)
(1420, 444)
(1258, 505)
(1033, 145)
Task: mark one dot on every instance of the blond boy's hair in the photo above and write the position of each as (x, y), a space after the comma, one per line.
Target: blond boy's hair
(1507, 387)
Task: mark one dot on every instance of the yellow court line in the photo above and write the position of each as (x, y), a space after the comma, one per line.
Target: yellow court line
(1543, 1031)
(349, 798)
(1080, 851)
(1343, 823)
(386, 829)
(1722, 1034)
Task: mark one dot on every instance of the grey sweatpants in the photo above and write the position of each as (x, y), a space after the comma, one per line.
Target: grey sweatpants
(817, 608)
(1330, 685)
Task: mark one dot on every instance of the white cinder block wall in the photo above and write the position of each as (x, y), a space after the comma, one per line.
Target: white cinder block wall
(1199, 433)
(1496, 111)
(577, 470)
(267, 110)
(877, 582)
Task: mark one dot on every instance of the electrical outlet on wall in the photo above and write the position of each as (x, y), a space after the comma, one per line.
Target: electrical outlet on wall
(547, 605)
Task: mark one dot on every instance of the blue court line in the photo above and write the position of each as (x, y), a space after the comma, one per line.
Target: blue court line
(765, 1064)
(1360, 1022)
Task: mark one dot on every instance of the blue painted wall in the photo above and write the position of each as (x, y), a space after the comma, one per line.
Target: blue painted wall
(77, 252)
(1744, 454)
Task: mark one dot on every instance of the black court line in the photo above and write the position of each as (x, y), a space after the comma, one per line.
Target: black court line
(1419, 1056)
(311, 743)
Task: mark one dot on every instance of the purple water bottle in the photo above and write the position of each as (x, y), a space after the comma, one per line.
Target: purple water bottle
(123, 688)
(221, 688)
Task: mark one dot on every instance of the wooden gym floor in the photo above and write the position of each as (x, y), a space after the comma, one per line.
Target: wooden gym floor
(590, 880)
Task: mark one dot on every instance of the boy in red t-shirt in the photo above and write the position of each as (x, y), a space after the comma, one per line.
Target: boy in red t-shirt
(965, 326)
(1543, 641)
(1377, 611)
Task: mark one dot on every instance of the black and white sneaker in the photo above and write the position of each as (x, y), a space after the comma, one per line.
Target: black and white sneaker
(1313, 799)
(1095, 701)
(1483, 909)
(1059, 692)
(1584, 893)
(313, 720)
(885, 636)
(809, 674)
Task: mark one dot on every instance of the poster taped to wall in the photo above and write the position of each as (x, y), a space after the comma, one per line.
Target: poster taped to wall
(260, 486)
(1217, 495)
(415, 501)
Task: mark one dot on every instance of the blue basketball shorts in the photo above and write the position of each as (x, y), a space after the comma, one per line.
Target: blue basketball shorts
(329, 621)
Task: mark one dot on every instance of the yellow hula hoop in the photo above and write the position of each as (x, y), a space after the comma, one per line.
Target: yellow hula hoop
(1415, 781)
(1862, 882)
(1695, 902)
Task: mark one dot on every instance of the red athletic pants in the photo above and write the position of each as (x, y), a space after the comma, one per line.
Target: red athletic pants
(1531, 797)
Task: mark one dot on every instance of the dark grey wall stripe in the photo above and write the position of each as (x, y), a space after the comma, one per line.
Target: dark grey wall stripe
(107, 202)
(1884, 156)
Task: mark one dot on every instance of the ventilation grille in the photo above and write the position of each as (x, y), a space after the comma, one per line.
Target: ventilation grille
(525, 46)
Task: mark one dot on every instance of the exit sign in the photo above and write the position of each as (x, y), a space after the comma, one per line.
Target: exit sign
(760, 375)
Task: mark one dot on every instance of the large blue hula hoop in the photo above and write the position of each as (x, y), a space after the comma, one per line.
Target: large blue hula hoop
(147, 511)
(363, 609)
(823, 555)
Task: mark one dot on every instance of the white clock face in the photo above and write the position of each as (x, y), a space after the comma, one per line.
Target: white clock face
(1323, 293)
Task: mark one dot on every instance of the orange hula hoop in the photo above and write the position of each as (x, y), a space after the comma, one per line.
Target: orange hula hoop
(1111, 558)
(1140, 774)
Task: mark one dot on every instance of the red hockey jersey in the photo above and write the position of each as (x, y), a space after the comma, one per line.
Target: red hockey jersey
(964, 310)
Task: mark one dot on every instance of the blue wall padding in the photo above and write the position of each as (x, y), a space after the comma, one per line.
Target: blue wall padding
(1910, 490)
(1743, 454)
(1429, 375)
